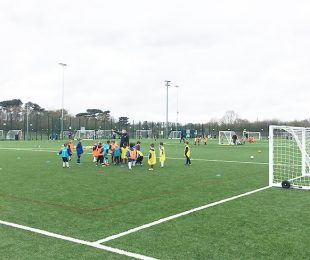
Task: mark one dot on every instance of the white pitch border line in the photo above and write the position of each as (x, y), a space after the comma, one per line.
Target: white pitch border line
(77, 241)
(177, 216)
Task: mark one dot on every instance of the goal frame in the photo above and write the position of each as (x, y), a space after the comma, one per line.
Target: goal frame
(2, 135)
(255, 133)
(86, 134)
(295, 173)
(104, 134)
(66, 134)
(175, 135)
(143, 134)
(228, 137)
(10, 135)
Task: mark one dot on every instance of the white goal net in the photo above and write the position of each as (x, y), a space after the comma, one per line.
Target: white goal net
(143, 134)
(226, 137)
(289, 162)
(67, 134)
(175, 135)
(85, 134)
(256, 135)
(14, 135)
(104, 134)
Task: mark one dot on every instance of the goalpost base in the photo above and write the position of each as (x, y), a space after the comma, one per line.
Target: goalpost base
(291, 186)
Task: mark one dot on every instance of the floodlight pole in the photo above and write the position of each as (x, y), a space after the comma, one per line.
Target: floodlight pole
(177, 87)
(62, 98)
(27, 119)
(167, 126)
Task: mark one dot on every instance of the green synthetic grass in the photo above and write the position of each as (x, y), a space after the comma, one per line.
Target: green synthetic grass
(19, 244)
(268, 225)
(90, 203)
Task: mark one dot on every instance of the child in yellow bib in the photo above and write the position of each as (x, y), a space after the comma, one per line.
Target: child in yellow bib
(187, 154)
(162, 154)
(124, 150)
(152, 157)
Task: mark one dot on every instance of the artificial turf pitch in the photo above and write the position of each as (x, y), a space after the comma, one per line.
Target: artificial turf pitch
(90, 203)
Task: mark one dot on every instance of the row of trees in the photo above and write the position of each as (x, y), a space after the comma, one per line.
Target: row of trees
(42, 123)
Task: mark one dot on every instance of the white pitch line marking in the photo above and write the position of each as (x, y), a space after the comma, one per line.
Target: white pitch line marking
(77, 241)
(50, 150)
(172, 158)
(133, 230)
(223, 161)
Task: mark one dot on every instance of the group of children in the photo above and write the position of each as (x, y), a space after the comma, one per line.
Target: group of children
(67, 151)
(199, 138)
(130, 155)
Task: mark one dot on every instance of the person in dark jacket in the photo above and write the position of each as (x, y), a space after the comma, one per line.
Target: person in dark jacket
(124, 137)
(79, 151)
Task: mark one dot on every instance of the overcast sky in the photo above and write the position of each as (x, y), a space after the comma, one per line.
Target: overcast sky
(249, 56)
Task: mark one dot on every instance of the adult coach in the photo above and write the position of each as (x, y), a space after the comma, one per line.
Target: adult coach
(124, 137)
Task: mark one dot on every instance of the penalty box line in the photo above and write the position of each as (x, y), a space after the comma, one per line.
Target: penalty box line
(162, 220)
(77, 241)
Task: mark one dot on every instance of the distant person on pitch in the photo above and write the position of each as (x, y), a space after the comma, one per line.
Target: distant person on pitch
(106, 148)
(71, 148)
(198, 139)
(124, 137)
(65, 154)
(162, 154)
(99, 154)
(111, 150)
(205, 140)
(131, 156)
(139, 158)
(152, 157)
(234, 139)
(187, 154)
(116, 154)
(95, 152)
(124, 150)
(182, 138)
(79, 151)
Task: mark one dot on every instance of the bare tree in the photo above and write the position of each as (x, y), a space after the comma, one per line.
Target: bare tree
(229, 118)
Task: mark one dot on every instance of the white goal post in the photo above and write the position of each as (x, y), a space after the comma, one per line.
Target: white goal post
(14, 135)
(225, 137)
(143, 134)
(289, 161)
(175, 135)
(1, 134)
(85, 134)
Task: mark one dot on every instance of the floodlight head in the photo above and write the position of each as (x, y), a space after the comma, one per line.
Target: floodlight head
(167, 82)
